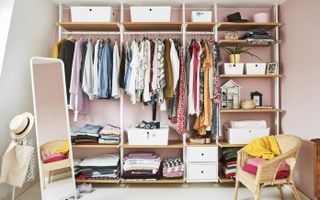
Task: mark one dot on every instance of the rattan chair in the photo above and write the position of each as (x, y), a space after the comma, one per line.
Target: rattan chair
(266, 173)
(50, 167)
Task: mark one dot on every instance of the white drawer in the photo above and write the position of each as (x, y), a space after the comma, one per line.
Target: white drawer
(202, 154)
(201, 172)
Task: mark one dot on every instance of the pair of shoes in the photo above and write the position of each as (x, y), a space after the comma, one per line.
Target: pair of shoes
(85, 188)
(148, 125)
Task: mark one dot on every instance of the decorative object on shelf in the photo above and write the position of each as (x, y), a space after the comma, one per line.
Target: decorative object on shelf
(201, 16)
(150, 13)
(233, 68)
(235, 52)
(256, 68)
(261, 17)
(236, 104)
(236, 17)
(231, 35)
(248, 104)
(229, 90)
(257, 97)
(272, 68)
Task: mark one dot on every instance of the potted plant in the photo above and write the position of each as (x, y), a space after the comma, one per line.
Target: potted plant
(234, 53)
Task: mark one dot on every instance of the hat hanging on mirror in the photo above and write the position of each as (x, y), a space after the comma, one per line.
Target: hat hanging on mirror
(21, 125)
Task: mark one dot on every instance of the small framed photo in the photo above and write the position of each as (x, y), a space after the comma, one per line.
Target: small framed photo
(257, 98)
(272, 68)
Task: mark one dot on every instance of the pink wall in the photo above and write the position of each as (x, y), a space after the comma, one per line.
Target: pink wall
(300, 63)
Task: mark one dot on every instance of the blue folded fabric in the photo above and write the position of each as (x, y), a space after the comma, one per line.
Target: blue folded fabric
(89, 128)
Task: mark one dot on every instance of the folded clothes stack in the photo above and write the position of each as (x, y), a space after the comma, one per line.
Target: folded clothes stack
(141, 165)
(258, 36)
(88, 134)
(110, 134)
(229, 162)
(100, 167)
(173, 168)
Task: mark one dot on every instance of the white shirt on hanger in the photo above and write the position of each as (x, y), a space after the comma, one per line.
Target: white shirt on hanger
(115, 92)
(175, 64)
(95, 69)
(88, 77)
(134, 65)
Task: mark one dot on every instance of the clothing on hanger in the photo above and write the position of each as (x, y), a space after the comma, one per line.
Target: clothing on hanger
(115, 92)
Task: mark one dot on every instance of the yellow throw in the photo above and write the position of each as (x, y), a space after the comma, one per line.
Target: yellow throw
(266, 148)
(62, 150)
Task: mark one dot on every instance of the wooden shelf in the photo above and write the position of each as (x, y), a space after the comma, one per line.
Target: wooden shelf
(171, 145)
(223, 179)
(152, 26)
(257, 110)
(233, 26)
(97, 181)
(150, 181)
(201, 26)
(224, 143)
(89, 26)
(250, 76)
(224, 43)
(110, 146)
(201, 145)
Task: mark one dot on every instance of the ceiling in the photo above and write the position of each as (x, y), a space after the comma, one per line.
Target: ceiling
(196, 3)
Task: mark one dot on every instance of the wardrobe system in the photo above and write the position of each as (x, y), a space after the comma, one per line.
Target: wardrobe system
(201, 161)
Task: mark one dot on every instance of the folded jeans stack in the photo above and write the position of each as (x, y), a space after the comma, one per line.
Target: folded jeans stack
(87, 134)
(258, 36)
(110, 134)
(229, 162)
(141, 165)
(100, 167)
(173, 168)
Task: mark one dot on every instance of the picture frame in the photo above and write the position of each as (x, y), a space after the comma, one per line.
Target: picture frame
(257, 98)
(272, 68)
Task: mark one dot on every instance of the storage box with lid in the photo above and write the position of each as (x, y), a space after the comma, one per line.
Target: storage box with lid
(201, 16)
(92, 14)
(256, 68)
(139, 136)
(233, 68)
(244, 135)
(150, 13)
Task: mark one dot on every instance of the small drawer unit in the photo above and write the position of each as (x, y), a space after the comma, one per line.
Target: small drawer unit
(202, 172)
(139, 136)
(202, 154)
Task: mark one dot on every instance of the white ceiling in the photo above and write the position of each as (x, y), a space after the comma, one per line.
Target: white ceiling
(225, 3)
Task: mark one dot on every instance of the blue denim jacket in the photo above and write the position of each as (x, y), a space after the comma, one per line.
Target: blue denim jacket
(105, 70)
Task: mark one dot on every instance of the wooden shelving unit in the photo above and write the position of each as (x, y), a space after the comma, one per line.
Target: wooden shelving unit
(224, 143)
(223, 179)
(171, 145)
(178, 181)
(200, 26)
(232, 26)
(107, 146)
(89, 26)
(152, 26)
(97, 181)
(224, 43)
(257, 110)
(202, 145)
(250, 76)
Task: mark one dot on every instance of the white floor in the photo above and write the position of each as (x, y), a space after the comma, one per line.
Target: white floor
(168, 192)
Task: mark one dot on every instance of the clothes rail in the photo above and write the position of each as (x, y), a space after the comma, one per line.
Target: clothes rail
(90, 33)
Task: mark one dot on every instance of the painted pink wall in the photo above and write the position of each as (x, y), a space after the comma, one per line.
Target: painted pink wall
(300, 63)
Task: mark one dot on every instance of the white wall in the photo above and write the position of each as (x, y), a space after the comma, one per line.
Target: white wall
(6, 7)
(32, 33)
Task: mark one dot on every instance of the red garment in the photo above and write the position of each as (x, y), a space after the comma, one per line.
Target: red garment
(54, 158)
(181, 114)
(283, 172)
(196, 50)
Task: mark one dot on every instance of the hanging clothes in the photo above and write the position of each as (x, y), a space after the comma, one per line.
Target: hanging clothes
(175, 63)
(95, 69)
(56, 48)
(128, 67)
(160, 71)
(66, 53)
(134, 72)
(122, 70)
(168, 89)
(146, 65)
(88, 71)
(105, 70)
(115, 93)
(78, 99)
(181, 107)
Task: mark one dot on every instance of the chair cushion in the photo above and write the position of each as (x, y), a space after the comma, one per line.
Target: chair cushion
(283, 170)
(53, 157)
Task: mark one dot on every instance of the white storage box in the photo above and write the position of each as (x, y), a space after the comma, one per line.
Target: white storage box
(202, 154)
(202, 172)
(233, 68)
(201, 16)
(150, 13)
(244, 135)
(139, 136)
(256, 68)
(91, 14)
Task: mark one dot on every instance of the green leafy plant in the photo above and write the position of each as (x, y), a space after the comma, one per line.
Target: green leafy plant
(239, 50)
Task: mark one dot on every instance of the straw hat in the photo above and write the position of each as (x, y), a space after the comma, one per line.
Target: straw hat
(21, 125)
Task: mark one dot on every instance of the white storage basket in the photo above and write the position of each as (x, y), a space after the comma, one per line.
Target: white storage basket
(150, 13)
(201, 16)
(92, 14)
(233, 68)
(256, 68)
(244, 135)
(138, 136)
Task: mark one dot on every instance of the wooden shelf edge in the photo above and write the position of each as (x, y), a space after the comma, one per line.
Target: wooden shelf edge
(179, 181)
(250, 76)
(244, 43)
(97, 181)
(171, 145)
(95, 146)
(152, 26)
(257, 110)
(201, 145)
(223, 179)
(224, 143)
(90, 26)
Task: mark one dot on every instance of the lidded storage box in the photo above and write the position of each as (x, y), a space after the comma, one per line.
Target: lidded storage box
(201, 16)
(92, 14)
(256, 68)
(244, 135)
(139, 136)
(150, 13)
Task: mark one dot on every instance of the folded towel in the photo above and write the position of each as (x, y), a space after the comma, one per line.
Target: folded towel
(249, 124)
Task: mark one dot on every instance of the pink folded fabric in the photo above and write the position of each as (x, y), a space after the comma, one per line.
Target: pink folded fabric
(256, 161)
(53, 157)
(283, 171)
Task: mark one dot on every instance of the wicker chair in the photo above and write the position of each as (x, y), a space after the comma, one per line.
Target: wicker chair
(266, 173)
(49, 167)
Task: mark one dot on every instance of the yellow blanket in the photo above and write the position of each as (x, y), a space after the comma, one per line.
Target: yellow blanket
(266, 148)
(62, 150)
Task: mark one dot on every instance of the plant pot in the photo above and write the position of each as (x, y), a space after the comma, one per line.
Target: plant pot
(235, 58)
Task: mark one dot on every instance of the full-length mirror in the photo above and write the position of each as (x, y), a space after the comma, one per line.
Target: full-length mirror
(52, 127)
